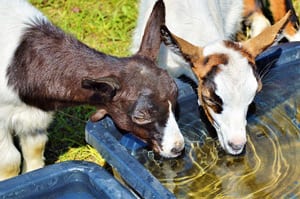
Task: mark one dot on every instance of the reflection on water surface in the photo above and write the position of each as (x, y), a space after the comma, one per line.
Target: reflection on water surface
(268, 169)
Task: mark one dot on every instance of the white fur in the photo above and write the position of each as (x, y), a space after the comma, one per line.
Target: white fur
(295, 37)
(259, 23)
(16, 118)
(197, 21)
(236, 86)
(172, 136)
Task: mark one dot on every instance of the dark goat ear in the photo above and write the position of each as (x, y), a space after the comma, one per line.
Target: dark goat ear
(141, 113)
(151, 39)
(105, 86)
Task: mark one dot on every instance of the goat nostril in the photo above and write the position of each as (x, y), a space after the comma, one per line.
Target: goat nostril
(179, 144)
(236, 147)
(176, 150)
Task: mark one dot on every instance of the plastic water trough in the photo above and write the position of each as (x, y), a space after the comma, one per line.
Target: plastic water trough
(66, 180)
(119, 148)
(79, 179)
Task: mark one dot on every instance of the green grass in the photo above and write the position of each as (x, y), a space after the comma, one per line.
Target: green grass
(297, 6)
(106, 25)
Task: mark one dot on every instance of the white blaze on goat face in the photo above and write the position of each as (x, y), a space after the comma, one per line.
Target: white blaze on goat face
(236, 85)
(172, 142)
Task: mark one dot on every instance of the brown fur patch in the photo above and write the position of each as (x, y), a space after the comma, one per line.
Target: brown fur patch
(237, 47)
(203, 66)
(206, 93)
(250, 7)
(189, 51)
(210, 99)
(207, 113)
(206, 69)
(216, 106)
(278, 9)
(290, 29)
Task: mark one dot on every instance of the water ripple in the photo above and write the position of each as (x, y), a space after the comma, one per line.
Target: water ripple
(268, 169)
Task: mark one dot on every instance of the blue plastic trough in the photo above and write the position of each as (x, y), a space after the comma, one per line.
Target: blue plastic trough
(66, 180)
(77, 179)
(119, 148)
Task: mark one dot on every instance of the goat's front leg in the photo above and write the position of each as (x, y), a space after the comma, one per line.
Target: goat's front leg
(33, 146)
(10, 158)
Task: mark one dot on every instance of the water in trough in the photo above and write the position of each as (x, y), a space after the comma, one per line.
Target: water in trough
(270, 166)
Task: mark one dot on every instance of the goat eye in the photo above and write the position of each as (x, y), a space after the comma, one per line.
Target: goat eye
(158, 137)
(138, 118)
(213, 104)
(141, 119)
(209, 101)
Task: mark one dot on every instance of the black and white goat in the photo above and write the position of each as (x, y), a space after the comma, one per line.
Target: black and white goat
(225, 70)
(43, 69)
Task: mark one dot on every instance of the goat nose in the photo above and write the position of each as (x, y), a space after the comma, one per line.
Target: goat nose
(176, 150)
(179, 146)
(236, 147)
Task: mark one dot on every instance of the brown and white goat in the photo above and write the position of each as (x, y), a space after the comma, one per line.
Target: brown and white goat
(43, 69)
(225, 70)
(259, 14)
(203, 23)
(228, 80)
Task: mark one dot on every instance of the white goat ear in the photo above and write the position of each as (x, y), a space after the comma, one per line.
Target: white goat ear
(151, 39)
(106, 87)
(180, 46)
(267, 37)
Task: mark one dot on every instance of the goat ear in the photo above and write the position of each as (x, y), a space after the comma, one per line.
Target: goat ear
(151, 39)
(266, 38)
(141, 113)
(180, 46)
(106, 87)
